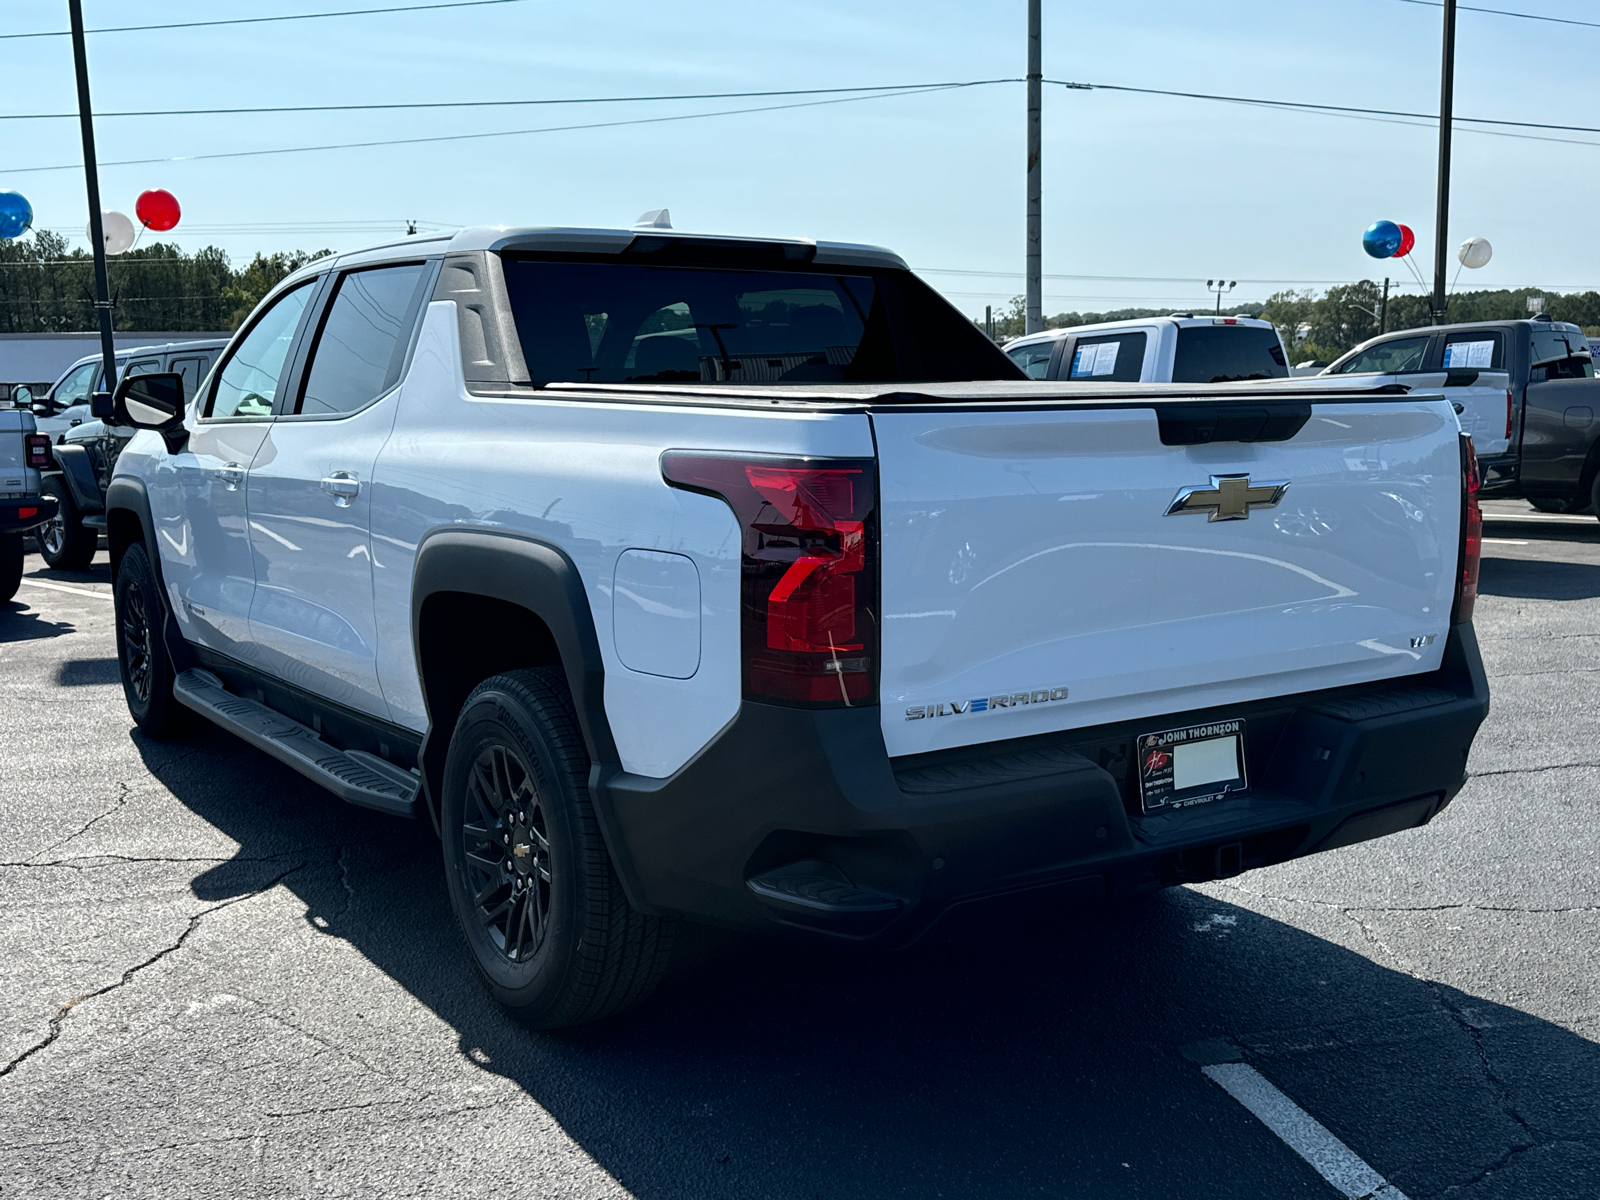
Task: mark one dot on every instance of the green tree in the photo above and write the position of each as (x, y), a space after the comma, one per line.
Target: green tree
(263, 274)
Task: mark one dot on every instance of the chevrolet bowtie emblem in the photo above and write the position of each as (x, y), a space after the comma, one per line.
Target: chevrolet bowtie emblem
(1229, 498)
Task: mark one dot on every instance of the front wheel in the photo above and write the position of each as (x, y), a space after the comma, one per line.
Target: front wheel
(146, 669)
(529, 875)
(64, 543)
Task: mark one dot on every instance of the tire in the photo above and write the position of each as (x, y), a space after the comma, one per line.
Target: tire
(554, 937)
(63, 541)
(10, 565)
(147, 673)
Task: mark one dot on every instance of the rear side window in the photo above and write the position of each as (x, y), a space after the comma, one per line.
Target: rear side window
(1228, 354)
(1560, 354)
(362, 344)
(143, 366)
(1034, 360)
(610, 322)
(193, 371)
(1482, 350)
(1110, 358)
(1388, 358)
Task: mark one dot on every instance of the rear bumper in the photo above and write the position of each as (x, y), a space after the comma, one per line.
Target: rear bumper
(19, 516)
(799, 818)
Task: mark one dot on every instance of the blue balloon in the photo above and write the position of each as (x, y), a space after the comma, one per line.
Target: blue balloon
(1382, 239)
(16, 214)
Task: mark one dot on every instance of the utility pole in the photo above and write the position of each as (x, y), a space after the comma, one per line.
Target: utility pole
(1383, 309)
(1447, 89)
(1035, 298)
(91, 175)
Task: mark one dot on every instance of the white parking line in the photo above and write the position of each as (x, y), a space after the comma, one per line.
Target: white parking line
(61, 587)
(1503, 516)
(1504, 542)
(1331, 1158)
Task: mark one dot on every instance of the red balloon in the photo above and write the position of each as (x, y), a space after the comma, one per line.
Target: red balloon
(157, 209)
(1407, 240)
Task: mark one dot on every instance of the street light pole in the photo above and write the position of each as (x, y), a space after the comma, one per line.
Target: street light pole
(91, 174)
(1035, 287)
(1447, 89)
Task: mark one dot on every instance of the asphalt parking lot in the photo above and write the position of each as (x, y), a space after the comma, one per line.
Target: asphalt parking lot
(219, 981)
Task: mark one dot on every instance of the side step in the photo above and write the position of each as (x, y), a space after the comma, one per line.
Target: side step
(351, 775)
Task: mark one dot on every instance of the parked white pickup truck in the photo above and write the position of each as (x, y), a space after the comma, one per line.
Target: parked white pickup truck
(745, 581)
(1176, 349)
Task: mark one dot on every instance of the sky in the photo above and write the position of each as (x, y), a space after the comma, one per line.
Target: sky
(1153, 194)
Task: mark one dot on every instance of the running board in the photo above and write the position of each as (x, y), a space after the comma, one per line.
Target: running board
(351, 775)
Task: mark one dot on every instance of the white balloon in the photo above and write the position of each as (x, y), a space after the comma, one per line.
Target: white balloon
(118, 230)
(1475, 253)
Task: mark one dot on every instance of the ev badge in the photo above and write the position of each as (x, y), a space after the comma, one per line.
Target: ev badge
(1229, 498)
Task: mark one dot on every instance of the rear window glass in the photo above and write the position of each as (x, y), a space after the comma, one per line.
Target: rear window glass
(1110, 358)
(1228, 353)
(1483, 350)
(608, 322)
(1560, 354)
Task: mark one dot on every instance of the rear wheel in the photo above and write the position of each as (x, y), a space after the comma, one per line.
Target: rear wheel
(529, 876)
(10, 565)
(63, 541)
(147, 673)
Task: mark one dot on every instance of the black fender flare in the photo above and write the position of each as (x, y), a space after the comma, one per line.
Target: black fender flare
(532, 574)
(77, 470)
(127, 494)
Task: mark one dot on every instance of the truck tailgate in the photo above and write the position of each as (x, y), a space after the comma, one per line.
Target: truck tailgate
(1033, 580)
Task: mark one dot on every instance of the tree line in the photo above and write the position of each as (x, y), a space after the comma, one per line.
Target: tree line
(1321, 328)
(46, 289)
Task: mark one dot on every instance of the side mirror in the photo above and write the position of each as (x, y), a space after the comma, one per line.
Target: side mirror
(41, 408)
(152, 402)
(100, 405)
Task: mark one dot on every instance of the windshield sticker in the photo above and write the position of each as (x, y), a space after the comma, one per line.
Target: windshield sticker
(1098, 359)
(1469, 354)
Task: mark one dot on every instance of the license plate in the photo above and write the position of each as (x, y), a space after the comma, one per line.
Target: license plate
(1193, 765)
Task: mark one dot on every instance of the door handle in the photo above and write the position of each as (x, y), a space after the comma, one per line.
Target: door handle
(343, 487)
(232, 475)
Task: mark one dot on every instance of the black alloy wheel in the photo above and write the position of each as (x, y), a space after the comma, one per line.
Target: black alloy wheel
(147, 671)
(530, 878)
(507, 853)
(133, 624)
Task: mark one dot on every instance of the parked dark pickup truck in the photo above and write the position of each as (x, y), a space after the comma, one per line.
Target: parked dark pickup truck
(1552, 407)
(23, 452)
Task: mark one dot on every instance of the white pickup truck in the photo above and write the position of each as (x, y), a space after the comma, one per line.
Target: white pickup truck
(1182, 348)
(744, 581)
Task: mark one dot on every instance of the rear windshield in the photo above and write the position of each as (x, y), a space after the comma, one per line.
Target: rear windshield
(1227, 353)
(610, 322)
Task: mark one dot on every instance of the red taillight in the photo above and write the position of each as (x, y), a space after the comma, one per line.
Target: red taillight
(38, 450)
(1471, 534)
(809, 592)
(24, 513)
(1508, 414)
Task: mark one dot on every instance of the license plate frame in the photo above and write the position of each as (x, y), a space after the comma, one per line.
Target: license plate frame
(1203, 749)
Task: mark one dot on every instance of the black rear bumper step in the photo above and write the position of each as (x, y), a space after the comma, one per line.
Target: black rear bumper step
(351, 775)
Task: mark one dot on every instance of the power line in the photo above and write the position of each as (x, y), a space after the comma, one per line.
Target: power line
(352, 12)
(464, 137)
(1504, 12)
(295, 108)
(1329, 108)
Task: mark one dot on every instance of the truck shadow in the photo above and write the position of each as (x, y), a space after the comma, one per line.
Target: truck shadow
(1528, 579)
(19, 623)
(1014, 1053)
